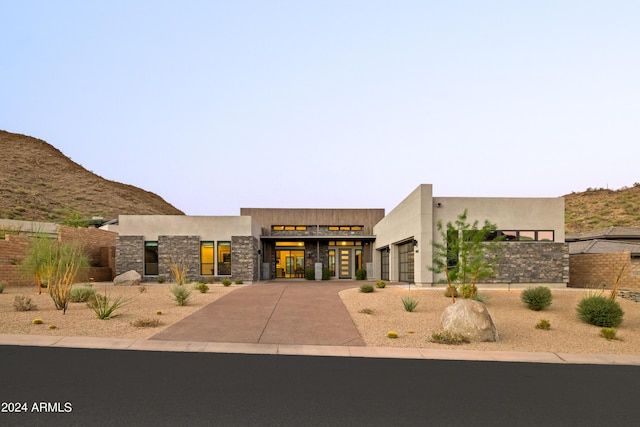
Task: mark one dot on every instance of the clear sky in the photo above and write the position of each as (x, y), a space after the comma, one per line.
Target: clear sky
(217, 105)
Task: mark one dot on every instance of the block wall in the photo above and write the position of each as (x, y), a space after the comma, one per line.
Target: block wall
(601, 270)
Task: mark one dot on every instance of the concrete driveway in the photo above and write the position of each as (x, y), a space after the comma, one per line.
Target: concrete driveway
(284, 312)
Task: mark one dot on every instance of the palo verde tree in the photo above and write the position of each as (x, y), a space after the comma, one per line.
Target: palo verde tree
(465, 253)
(36, 260)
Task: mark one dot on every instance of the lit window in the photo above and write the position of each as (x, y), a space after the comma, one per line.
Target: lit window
(345, 228)
(333, 228)
(301, 227)
(356, 228)
(289, 227)
(207, 266)
(277, 227)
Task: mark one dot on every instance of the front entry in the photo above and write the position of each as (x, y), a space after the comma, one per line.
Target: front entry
(345, 264)
(289, 263)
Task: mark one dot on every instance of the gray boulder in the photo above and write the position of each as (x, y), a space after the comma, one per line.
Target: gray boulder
(130, 278)
(470, 319)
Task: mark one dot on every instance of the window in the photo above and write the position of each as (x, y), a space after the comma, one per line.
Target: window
(289, 227)
(277, 227)
(526, 235)
(333, 228)
(224, 258)
(332, 262)
(207, 266)
(384, 259)
(150, 258)
(301, 227)
(406, 264)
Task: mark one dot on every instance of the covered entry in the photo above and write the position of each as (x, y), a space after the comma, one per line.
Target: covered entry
(289, 260)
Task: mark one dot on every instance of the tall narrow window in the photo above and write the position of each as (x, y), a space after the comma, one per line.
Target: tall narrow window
(332, 262)
(207, 266)
(384, 268)
(358, 259)
(224, 258)
(150, 258)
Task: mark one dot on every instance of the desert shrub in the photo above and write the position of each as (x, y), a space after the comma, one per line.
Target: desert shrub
(451, 291)
(37, 321)
(381, 284)
(202, 287)
(467, 291)
(392, 334)
(142, 288)
(81, 293)
(226, 282)
(326, 273)
(159, 312)
(608, 333)
(361, 274)
(599, 310)
(181, 294)
(146, 322)
(104, 307)
(1, 288)
(447, 337)
(365, 289)
(543, 324)
(366, 311)
(537, 298)
(238, 282)
(161, 279)
(52, 326)
(409, 304)
(310, 274)
(23, 303)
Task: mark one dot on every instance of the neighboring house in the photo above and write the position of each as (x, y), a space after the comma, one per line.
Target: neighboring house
(600, 257)
(15, 236)
(263, 244)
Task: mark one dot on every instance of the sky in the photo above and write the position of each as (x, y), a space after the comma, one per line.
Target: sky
(218, 105)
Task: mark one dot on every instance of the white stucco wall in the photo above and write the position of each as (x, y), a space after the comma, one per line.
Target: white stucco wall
(207, 227)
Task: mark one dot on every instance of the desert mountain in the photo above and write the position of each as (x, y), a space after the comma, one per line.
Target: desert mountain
(39, 183)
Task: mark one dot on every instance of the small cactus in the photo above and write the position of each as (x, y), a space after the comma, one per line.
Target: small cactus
(37, 321)
(392, 334)
(53, 327)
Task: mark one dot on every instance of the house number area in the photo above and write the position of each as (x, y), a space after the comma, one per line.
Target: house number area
(36, 407)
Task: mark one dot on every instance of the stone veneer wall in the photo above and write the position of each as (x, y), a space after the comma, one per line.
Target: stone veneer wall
(129, 254)
(244, 258)
(179, 249)
(313, 230)
(539, 262)
(601, 270)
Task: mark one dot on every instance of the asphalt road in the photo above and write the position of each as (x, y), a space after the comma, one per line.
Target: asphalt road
(74, 387)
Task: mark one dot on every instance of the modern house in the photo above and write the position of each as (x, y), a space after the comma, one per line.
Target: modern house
(265, 244)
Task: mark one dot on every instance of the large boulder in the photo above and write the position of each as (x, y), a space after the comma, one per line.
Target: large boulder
(470, 319)
(129, 278)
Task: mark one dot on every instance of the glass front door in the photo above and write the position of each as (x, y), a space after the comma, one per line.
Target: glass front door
(345, 263)
(289, 263)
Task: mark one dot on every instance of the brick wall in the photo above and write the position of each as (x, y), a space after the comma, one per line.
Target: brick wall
(601, 270)
(13, 249)
(92, 239)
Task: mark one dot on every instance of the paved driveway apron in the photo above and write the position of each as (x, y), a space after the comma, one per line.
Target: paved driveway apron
(295, 312)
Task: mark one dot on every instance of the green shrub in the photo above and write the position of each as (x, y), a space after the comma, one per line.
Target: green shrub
(467, 290)
(104, 307)
(310, 274)
(537, 298)
(599, 310)
(181, 294)
(161, 279)
(202, 287)
(226, 282)
(23, 303)
(326, 273)
(447, 337)
(142, 288)
(239, 282)
(543, 324)
(409, 304)
(381, 284)
(81, 293)
(361, 274)
(366, 289)
(608, 333)
(450, 291)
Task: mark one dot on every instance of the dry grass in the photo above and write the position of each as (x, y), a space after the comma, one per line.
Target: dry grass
(514, 321)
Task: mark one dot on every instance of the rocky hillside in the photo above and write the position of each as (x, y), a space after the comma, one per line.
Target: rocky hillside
(38, 182)
(601, 208)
